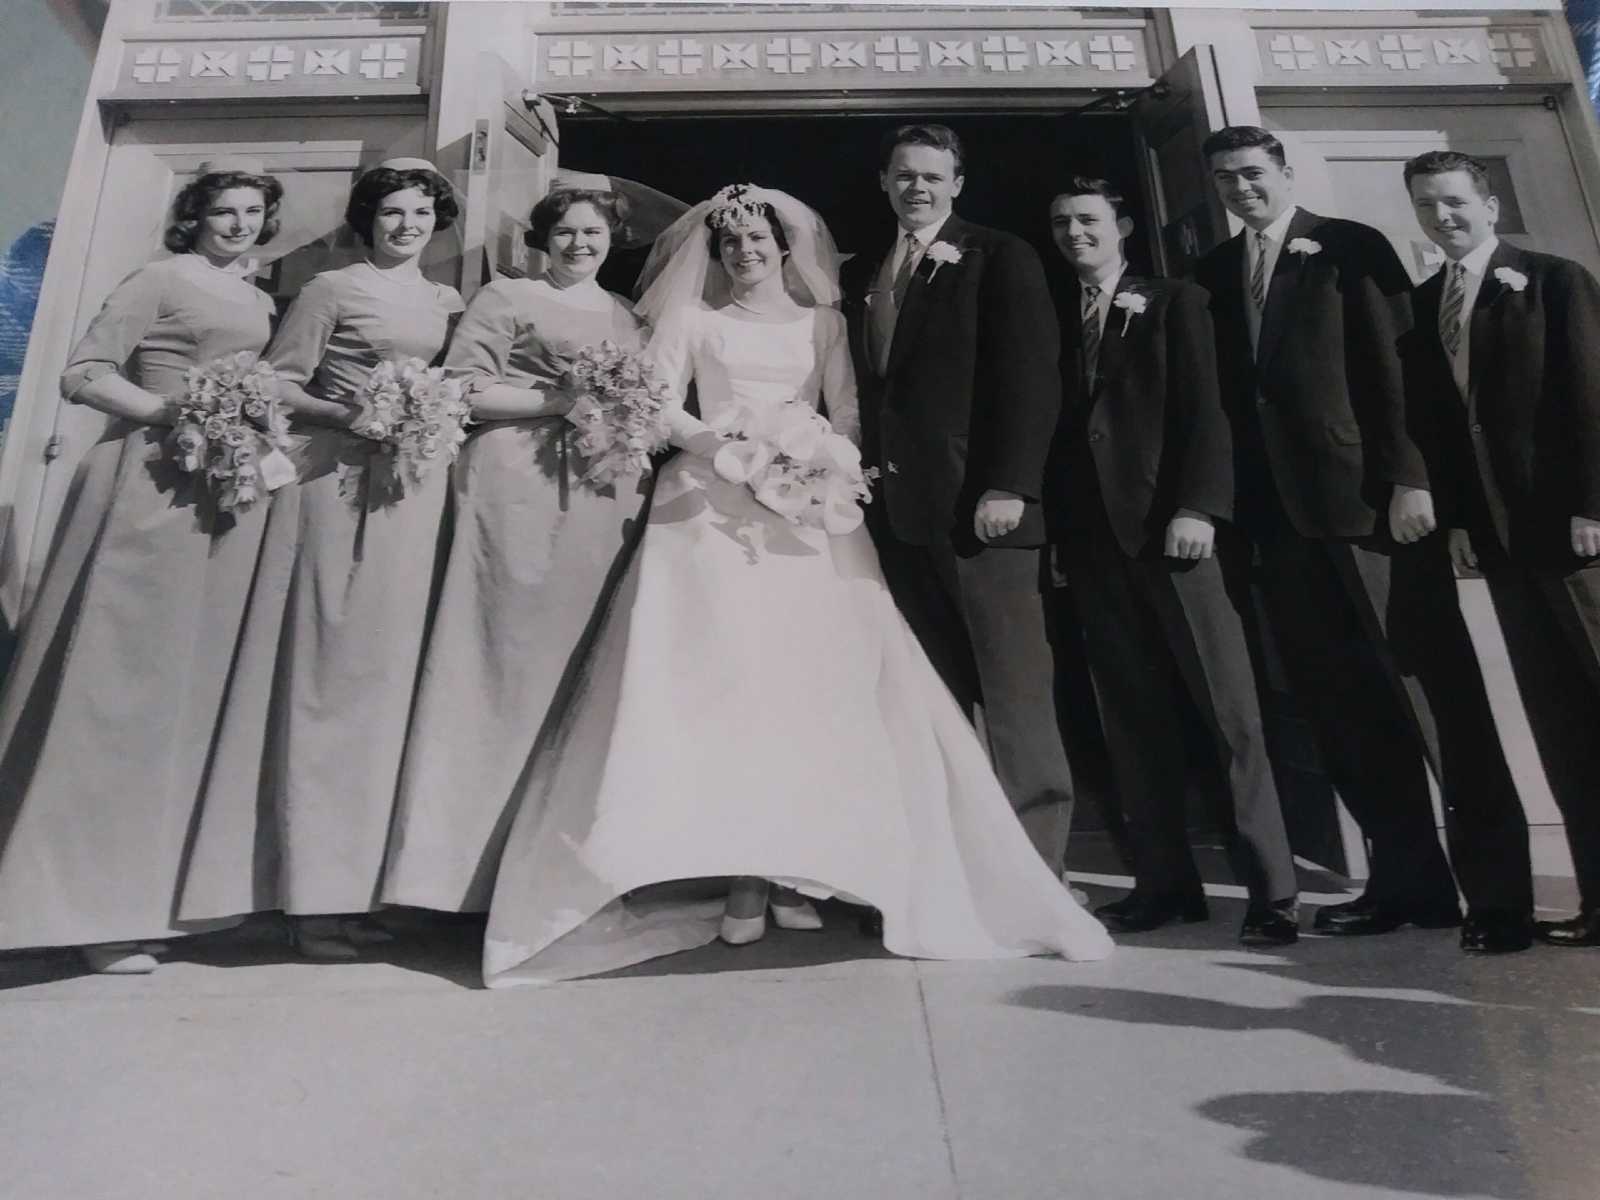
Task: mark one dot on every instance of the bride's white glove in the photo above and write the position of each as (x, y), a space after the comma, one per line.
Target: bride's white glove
(706, 443)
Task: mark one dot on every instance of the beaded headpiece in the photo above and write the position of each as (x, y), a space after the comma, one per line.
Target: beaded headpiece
(736, 204)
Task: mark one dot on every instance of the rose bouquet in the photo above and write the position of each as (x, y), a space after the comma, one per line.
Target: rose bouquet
(416, 413)
(794, 463)
(619, 409)
(230, 430)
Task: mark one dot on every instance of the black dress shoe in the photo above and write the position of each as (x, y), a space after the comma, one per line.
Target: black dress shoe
(1581, 930)
(1276, 924)
(1140, 913)
(1496, 932)
(1367, 916)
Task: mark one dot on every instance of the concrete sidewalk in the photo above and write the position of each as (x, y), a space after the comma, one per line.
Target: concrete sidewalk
(808, 1065)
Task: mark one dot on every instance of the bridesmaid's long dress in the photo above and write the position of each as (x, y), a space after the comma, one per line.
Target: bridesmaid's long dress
(534, 562)
(305, 825)
(127, 658)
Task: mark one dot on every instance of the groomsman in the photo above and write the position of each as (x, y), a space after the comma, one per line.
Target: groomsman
(1508, 387)
(1309, 311)
(954, 340)
(1141, 475)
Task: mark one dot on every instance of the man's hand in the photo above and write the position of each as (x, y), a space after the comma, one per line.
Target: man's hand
(1411, 514)
(998, 514)
(1190, 534)
(1461, 551)
(1585, 537)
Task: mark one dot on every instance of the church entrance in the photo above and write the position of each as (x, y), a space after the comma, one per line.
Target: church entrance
(1016, 163)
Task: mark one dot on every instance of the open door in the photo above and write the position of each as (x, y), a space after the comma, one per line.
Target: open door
(510, 165)
(1171, 120)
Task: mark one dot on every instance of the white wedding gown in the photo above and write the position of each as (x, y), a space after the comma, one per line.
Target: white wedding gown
(756, 705)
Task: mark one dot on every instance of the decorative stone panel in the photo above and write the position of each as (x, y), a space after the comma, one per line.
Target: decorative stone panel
(347, 66)
(1415, 57)
(853, 60)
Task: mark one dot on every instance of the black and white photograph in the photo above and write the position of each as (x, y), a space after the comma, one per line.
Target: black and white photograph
(692, 599)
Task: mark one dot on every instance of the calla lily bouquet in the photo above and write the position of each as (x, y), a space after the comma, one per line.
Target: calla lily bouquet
(796, 464)
(416, 413)
(620, 411)
(231, 430)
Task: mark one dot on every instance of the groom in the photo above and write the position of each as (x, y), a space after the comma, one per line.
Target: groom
(955, 347)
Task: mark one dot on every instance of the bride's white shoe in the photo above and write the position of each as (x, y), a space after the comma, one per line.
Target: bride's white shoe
(800, 914)
(118, 958)
(741, 931)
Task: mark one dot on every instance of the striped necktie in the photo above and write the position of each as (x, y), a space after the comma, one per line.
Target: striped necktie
(1450, 309)
(1091, 335)
(1258, 274)
(902, 277)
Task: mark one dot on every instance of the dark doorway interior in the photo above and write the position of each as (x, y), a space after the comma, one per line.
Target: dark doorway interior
(1015, 165)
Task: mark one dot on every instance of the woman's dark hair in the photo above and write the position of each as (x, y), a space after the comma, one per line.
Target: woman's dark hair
(555, 205)
(366, 197)
(766, 210)
(189, 206)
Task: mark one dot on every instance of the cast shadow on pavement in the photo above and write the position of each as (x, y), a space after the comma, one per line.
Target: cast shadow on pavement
(1515, 1125)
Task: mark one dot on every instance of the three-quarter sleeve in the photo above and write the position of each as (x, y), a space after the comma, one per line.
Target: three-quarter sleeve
(671, 349)
(116, 331)
(839, 377)
(480, 349)
(302, 338)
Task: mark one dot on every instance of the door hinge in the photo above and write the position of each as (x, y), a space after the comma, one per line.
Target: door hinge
(52, 448)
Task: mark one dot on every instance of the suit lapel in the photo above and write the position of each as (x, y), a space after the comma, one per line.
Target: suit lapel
(1427, 298)
(1286, 273)
(1488, 315)
(915, 309)
(1119, 327)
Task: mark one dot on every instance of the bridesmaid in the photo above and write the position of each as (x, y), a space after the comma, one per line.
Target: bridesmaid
(110, 709)
(361, 585)
(535, 558)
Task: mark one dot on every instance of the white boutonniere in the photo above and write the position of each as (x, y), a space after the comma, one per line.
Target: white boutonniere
(1132, 304)
(1305, 246)
(941, 253)
(1511, 278)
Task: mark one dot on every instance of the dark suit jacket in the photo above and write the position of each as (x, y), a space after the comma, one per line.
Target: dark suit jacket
(972, 394)
(1519, 455)
(1152, 437)
(1324, 398)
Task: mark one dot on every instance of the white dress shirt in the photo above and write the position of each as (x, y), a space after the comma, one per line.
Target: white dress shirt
(1277, 235)
(1476, 265)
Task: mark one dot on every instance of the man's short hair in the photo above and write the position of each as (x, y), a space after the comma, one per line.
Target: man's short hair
(1243, 137)
(1442, 162)
(1088, 185)
(940, 137)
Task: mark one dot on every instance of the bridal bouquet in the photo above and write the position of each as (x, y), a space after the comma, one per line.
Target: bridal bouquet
(230, 430)
(620, 411)
(795, 464)
(416, 413)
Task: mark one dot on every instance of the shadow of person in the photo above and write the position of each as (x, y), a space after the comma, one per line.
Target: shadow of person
(447, 946)
(1426, 1145)
(1523, 1074)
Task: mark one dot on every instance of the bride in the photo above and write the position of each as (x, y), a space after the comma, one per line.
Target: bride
(755, 706)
